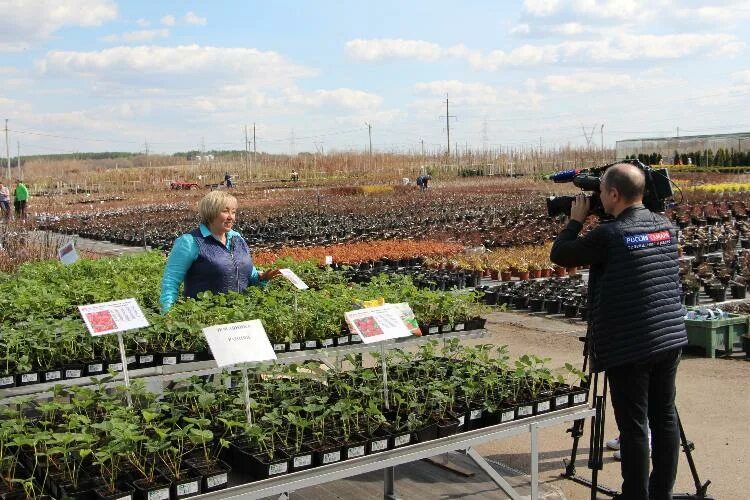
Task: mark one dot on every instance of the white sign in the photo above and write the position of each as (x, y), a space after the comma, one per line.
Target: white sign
(375, 324)
(236, 343)
(67, 253)
(329, 260)
(296, 280)
(111, 317)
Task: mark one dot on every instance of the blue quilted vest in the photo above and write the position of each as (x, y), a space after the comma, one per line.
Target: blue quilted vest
(218, 269)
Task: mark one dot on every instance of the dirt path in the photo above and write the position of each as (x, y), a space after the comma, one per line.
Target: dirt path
(711, 399)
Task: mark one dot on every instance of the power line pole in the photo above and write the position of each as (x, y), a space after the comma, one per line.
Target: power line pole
(247, 155)
(369, 133)
(7, 148)
(484, 136)
(18, 162)
(255, 149)
(422, 141)
(601, 131)
(448, 126)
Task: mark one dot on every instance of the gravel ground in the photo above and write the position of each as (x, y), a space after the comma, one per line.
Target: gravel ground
(711, 400)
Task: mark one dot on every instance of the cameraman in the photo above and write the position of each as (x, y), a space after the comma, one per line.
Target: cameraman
(636, 328)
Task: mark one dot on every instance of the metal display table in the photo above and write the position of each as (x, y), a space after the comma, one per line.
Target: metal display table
(285, 484)
(167, 373)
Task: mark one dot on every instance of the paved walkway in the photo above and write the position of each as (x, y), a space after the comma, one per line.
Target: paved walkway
(87, 245)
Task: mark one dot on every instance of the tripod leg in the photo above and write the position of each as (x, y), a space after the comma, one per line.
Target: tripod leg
(687, 447)
(576, 432)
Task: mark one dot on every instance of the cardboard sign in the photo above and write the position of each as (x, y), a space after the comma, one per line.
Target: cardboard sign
(111, 317)
(329, 260)
(378, 323)
(296, 280)
(67, 253)
(236, 343)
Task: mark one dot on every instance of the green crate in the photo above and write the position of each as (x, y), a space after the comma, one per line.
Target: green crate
(718, 334)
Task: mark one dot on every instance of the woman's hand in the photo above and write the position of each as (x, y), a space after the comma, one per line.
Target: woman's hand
(269, 274)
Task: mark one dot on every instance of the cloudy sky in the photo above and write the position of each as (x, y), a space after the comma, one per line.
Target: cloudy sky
(96, 75)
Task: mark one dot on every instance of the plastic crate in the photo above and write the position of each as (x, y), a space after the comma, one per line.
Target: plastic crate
(718, 334)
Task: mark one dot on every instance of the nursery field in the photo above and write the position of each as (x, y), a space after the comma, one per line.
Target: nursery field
(459, 253)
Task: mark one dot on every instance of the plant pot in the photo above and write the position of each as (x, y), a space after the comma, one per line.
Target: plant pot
(355, 448)
(73, 370)
(279, 347)
(552, 306)
(523, 275)
(426, 433)
(447, 428)
(746, 346)
(188, 356)
(400, 438)
(167, 358)
(158, 490)
(474, 418)
(188, 486)
(505, 276)
(739, 291)
(560, 272)
(691, 299)
(261, 466)
(300, 460)
(52, 375)
(535, 273)
(380, 441)
(7, 381)
(215, 476)
(718, 293)
(524, 410)
(122, 493)
(542, 405)
(146, 360)
(571, 270)
(27, 378)
(328, 453)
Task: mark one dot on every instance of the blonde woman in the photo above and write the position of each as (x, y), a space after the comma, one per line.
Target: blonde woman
(212, 257)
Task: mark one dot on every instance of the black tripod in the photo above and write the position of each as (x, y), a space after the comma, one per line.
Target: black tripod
(596, 442)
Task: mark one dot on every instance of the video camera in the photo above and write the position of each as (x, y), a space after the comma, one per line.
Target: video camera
(657, 191)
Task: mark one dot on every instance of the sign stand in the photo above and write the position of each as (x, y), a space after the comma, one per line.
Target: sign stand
(246, 391)
(124, 361)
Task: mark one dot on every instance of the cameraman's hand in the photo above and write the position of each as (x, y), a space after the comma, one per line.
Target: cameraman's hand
(580, 207)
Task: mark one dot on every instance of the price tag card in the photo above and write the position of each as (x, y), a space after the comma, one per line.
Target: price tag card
(67, 253)
(236, 343)
(111, 317)
(376, 324)
(296, 280)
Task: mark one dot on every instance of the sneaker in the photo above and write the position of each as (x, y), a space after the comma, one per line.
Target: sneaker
(614, 444)
(617, 456)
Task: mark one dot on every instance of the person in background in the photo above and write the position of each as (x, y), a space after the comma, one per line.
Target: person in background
(228, 180)
(20, 199)
(212, 257)
(295, 176)
(422, 181)
(5, 201)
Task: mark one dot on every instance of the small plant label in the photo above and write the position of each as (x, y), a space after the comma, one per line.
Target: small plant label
(475, 415)
(375, 324)
(311, 344)
(579, 398)
(329, 260)
(507, 416)
(561, 401)
(73, 373)
(543, 406)
(96, 368)
(296, 280)
(67, 253)
(169, 360)
(148, 358)
(434, 329)
(279, 347)
(111, 317)
(243, 342)
(275, 469)
(355, 451)
(53, 375)
(343, 340)
(401, 440)
(461, 420)
(217, 480)
(334, 456)
(525, 411)
(130, 359)
(6, 380)
(160, 494)
(459, 327)
(295, 346)
(302, 461)
(29, 377)
(187, 488)
(187, 357)
(115, 367)
(327, 342)
(379, 445)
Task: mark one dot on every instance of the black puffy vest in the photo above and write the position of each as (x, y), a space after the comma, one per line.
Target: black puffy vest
(218, 269)
(636, 310)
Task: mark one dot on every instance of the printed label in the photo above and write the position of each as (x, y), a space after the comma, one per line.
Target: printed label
(344, 339)
(459, 327)
(96, 367)
(274, 469)
(507, 416)
(334, 456)
(579, 398)
(461, 420)
(475, 415)
(130, 359)
(401, 440)
(149, 358)
(115, 366)
(169, 360)
(433, 329)
(29, 377)
(355, 451)
(379, 445)
(187, 356)
(354, 339)
(187, 488)
(525, 411)
(279, 347)
(445, 328)
(302, 461)
(73, 373)
(56, 375)
(326, 342)
(311, 343)
(561, 401)
(212, 481)
(543, 406)
(160, 494)
(647, 240)
(6, 380)
(295, 346)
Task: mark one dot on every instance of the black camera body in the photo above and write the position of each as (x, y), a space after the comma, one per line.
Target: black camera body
(657, 191)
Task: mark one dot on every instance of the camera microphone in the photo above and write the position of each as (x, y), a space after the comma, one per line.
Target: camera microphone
(564, 175)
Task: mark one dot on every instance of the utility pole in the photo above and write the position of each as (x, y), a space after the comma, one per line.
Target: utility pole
(247, 156)
(7, 148)
(601, 132)
(484, 136)
(422, 141)
(369, 133)
(18, 161)
(255, 149)
(448, 126)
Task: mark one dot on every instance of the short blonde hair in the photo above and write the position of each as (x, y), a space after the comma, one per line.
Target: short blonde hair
(212, 204)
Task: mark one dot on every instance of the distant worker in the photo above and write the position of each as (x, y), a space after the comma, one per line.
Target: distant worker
(5, 201)
(422, 181)
(228, 180)
(20, 199)
(295, 176)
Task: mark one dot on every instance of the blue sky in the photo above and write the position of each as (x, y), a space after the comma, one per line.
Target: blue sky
(94, 75)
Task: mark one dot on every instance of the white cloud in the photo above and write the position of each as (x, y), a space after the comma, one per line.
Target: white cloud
(390, 48)
(541, 7)
(481, 95)
(24, 23)
(143, 23)
(168, 20)
(520, 29)
(742, 77)
(603, 9)
(137, 36)
(194, 19)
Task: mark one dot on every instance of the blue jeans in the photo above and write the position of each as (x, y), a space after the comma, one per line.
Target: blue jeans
(643, 395)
